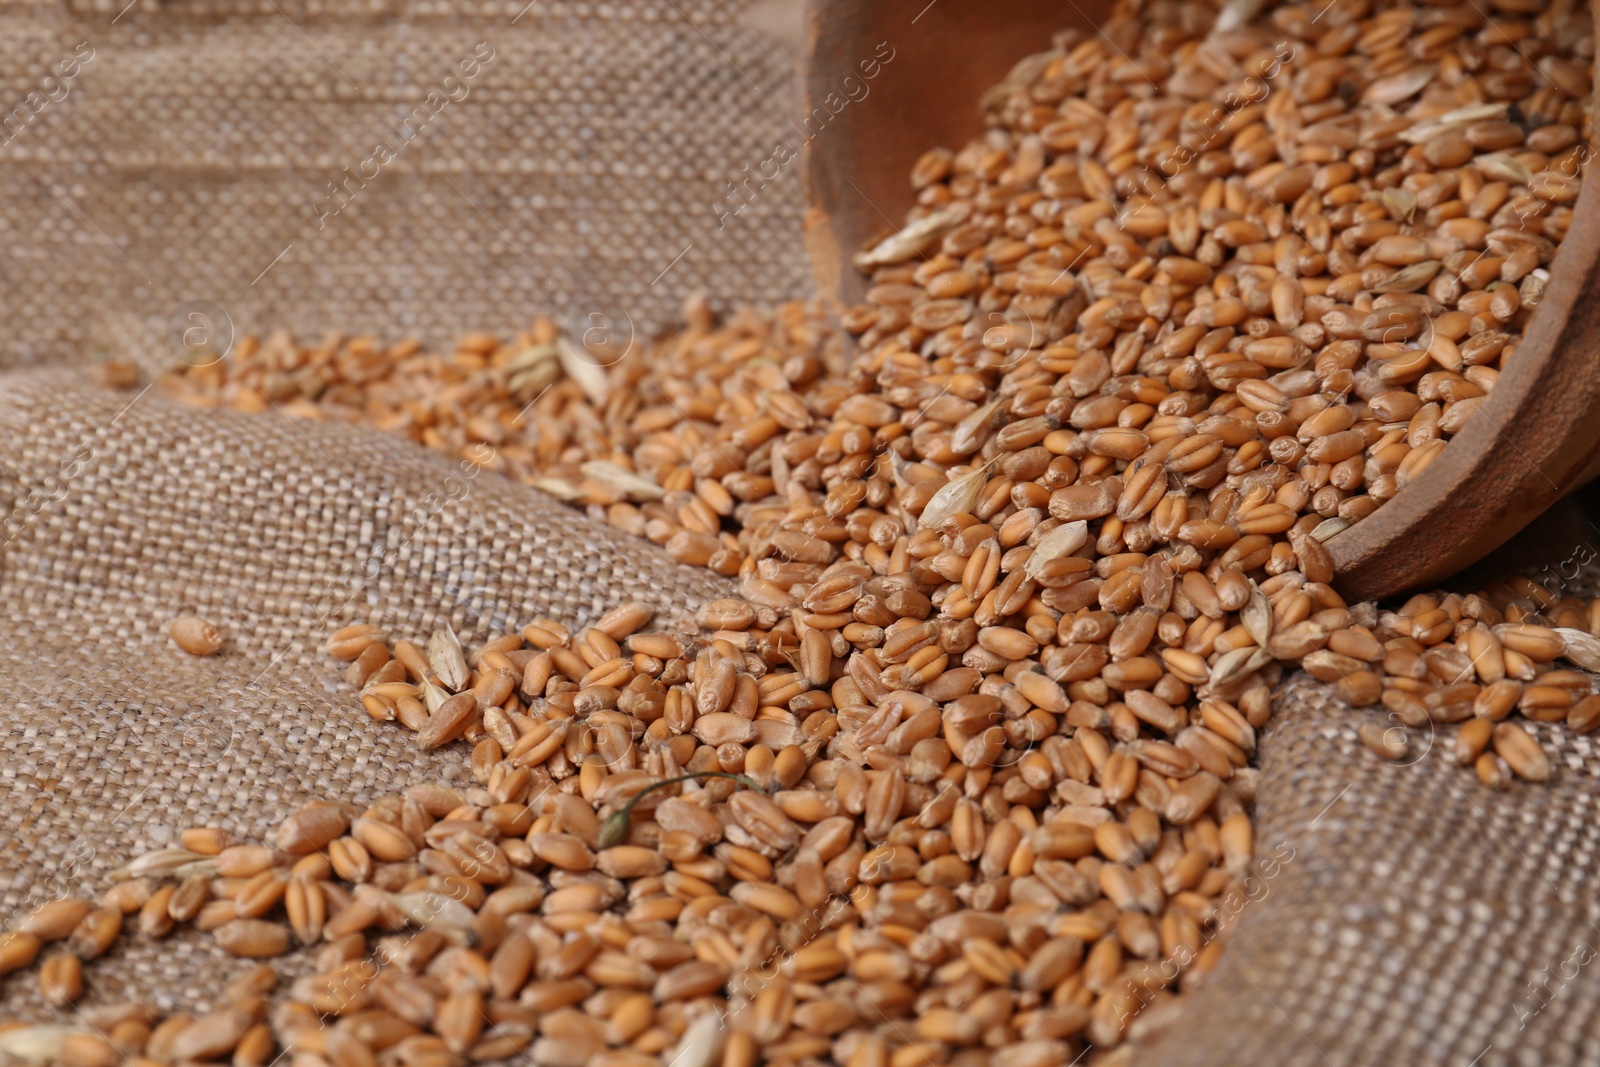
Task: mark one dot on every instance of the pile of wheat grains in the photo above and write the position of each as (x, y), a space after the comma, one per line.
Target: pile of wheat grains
(960, 772)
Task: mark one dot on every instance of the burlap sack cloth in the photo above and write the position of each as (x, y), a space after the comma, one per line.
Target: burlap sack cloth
(1406, 915)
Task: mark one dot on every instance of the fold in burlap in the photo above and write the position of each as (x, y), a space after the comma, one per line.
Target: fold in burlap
(1415, 910)
(112, 740)
(573, 160)
(1421, 920)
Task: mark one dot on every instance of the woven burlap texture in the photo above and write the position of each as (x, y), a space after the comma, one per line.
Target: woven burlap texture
(568, 158)
(581, 170)
(1404, 914)
(124, 512)
(1407, 926)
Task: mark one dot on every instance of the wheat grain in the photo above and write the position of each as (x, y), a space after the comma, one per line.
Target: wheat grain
(1013, 588)
(195, 636)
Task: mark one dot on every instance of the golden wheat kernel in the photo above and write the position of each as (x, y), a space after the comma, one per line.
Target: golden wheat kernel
(195, 635)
